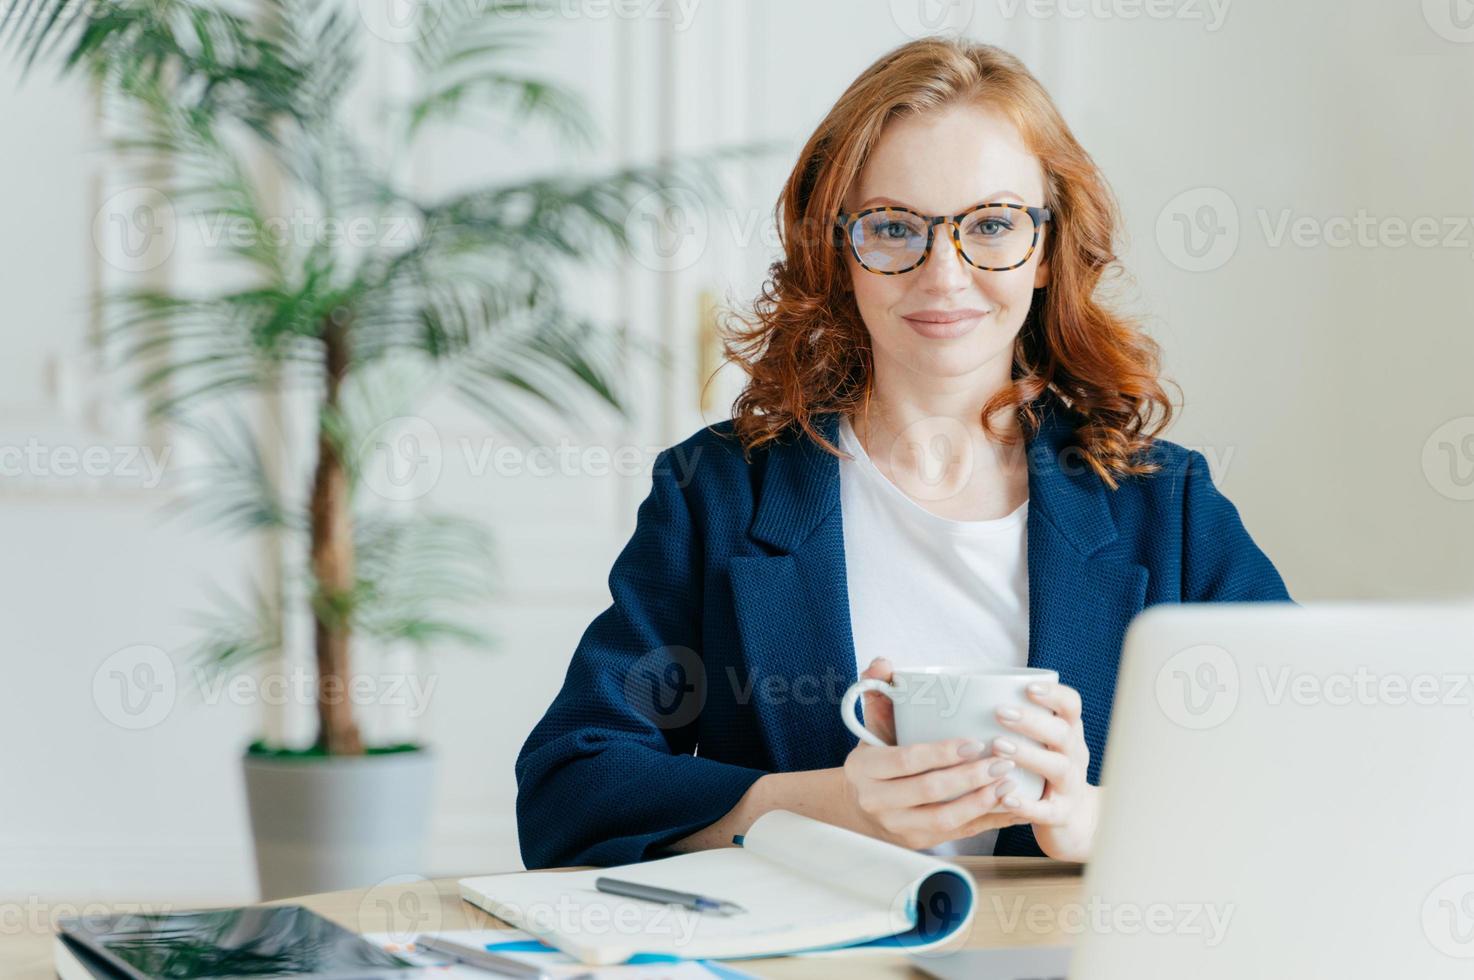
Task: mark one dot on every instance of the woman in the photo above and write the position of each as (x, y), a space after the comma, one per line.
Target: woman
(945, 453)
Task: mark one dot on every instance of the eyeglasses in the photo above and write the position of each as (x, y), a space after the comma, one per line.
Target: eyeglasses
(891, 240)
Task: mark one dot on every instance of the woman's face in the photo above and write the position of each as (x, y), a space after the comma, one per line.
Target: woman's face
(943, 163)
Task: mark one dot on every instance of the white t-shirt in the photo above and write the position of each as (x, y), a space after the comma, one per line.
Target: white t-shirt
(928, 590)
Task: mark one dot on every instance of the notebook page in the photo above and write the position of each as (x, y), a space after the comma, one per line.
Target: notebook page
(785, 911)
(881, 875)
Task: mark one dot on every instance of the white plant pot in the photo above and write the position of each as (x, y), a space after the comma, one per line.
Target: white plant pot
(326, 824)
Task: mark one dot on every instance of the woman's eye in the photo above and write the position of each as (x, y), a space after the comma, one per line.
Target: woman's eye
(894, 229)
(992, 226)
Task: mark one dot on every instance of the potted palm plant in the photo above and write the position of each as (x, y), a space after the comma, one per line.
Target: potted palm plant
(237, 118)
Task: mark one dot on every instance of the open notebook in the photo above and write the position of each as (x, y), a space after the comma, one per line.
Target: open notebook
(806, 886)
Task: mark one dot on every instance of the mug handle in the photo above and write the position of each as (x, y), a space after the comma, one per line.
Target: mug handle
(847, 708)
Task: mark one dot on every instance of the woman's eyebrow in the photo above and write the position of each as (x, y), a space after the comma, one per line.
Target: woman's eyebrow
(986, 198)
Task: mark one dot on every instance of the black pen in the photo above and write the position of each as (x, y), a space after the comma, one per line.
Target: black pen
(650, 893)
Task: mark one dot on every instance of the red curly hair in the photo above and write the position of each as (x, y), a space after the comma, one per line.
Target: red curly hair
(806, 350)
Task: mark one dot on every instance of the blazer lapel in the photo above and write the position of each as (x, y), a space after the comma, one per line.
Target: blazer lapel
(792, 608)
(1081, 598)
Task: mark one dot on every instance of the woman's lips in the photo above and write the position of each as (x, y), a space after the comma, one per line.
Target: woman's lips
(944, 330)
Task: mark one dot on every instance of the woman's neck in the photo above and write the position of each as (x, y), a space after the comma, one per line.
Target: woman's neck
(936, 450)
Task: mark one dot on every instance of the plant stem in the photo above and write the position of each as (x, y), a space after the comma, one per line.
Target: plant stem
(332, 559)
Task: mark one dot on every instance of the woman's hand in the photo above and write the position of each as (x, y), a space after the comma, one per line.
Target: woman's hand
(1064, 818)
(921, 795)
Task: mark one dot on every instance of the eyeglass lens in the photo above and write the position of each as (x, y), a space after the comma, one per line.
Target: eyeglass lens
(992, 238)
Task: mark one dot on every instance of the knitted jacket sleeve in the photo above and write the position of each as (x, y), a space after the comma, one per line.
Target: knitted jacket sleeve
(609, 774)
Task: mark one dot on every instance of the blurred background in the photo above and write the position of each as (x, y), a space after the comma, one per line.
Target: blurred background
(1297, 187)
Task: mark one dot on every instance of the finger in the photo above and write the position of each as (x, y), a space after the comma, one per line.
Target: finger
(1062, 699)
(1056, 767)
(892, 762)
(880, 668)
(1032, 721)
(959, 813)
(1049, 811)
(941, 785)
(995, 819)
(877, 705)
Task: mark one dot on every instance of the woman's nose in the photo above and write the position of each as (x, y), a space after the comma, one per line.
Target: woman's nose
(944, 269)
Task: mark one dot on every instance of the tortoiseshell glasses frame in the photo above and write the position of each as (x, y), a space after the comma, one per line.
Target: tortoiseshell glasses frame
(845, 223)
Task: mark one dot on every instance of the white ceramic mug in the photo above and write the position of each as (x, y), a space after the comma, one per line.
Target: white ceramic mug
(937, 703)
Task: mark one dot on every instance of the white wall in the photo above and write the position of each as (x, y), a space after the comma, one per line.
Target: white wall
(1316, 378)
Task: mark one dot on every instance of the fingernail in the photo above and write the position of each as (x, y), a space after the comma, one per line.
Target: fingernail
(1011, 802)
(971, 750)
(1038, 688)
(1000, 767)
(1007, 785)
(1004, 747)
(1009, 714)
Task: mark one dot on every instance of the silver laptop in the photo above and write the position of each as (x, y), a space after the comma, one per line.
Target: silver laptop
(1289, 793)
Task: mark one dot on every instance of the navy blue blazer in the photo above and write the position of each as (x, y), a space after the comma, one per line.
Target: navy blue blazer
(727, 646)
